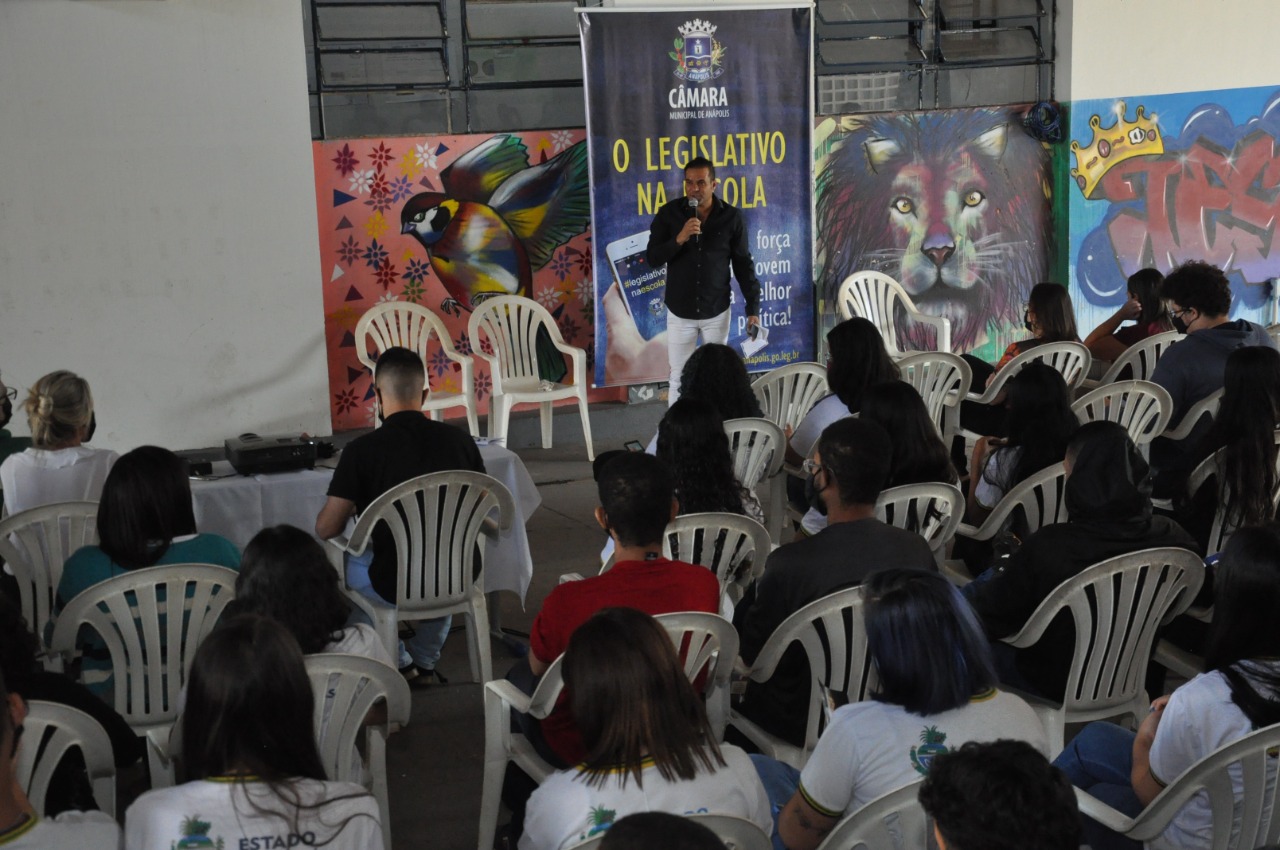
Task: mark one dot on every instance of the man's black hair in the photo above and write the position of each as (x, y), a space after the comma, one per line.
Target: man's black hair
(856, 453)
(635, 492)
(649, 830)
(1197, 285)
(701, 162)
(400, 373)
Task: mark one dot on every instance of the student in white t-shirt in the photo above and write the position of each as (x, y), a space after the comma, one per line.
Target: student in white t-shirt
(248, 741)
(937, 690)
(649, 745)
(1238, 694)
(21, 826)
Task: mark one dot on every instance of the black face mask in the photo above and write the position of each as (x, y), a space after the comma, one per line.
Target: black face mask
(93, 426)
(813, 496)
(1027, 323)
(6, 411)
(1179, 324)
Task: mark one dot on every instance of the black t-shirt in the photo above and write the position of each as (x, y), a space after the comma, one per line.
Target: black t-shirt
(407, 445)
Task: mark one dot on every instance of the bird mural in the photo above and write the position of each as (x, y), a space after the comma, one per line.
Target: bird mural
(497, 221)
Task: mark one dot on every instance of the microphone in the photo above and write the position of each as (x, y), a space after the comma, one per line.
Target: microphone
(693, 211)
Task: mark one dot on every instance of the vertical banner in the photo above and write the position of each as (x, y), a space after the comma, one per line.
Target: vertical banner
(733, 85)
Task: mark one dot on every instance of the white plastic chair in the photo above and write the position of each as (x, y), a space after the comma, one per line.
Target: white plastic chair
(1242, 822)
(713, 642)
(346, 687)
(1116, 605)
(736, 833)
(834, 639)
(152, 620)
(933, 510)
(788, 393)
(1071, 359)
(511, 323)
(1143, 408)
(1223, 526)
(1140, 358)
(1207, 406)
(436, 521)
(893, 821)
(411, 326)
(1274, 332)
(759, 448)
(943, 381)
(45, 537)
(876, 297)
(1040, 497)
(51, 730)
(732, 546)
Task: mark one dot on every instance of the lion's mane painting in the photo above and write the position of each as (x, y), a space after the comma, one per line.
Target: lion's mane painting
(953, 204)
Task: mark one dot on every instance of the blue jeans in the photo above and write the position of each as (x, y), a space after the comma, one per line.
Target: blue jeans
(1100, 760)
(780, 781)
(423, 649)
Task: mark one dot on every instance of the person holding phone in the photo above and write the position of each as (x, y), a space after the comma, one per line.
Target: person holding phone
(699, 238)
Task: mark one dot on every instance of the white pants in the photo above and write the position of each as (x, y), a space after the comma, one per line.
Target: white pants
(682, 339)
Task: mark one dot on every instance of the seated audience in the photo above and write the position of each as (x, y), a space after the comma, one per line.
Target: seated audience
(145, 519)
(406, 446)
(1244, 430)
(919, 456)
(848, 471)
(925, 704)
(1239, 693)
(58, 467)
(1039, 424)
(249, 749)
(24, 828)
(693, 444)
(1000, 796)
(647, 830)
(1144, 307)
(636, 503)
(1108, 500)
(20, 652)
(646, 740)
(9, 444)
(1199, 299)
(716, 374)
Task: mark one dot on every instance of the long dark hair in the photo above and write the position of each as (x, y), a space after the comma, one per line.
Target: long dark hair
(929, 650)
(1246, 592)
(1145, 285)
(146, 502)
(630, 698)
(285, 575)
(1245, 430)
(919, 455)
(716, 374)
(693, 445)
(858, 359)
(1040, 418)
(1052, 305)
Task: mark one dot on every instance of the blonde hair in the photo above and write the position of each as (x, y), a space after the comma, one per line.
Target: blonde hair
(58, 406)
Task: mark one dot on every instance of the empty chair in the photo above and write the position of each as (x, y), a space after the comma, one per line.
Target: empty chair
(1143, 408)
(880, 298)
(346, 688)
(51, 730)
(151, 621)
(511, 324)
(943, 381)
(34, 544)
(412, 326)
(732, 546)
(436, 522)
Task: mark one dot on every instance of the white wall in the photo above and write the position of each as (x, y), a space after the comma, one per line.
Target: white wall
(1112, 48)
(157, 215)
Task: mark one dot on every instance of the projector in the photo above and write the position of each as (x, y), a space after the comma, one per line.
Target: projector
(251, 454)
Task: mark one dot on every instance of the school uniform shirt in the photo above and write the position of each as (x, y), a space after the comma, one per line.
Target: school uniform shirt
(872, 748)
(67, 831)
(230, 815)
(566, 810)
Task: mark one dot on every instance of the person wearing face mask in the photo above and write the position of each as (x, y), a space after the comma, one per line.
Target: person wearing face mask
(848, 470)
(9, 444)
(57, 467)
(1198, 296)
(407, 445)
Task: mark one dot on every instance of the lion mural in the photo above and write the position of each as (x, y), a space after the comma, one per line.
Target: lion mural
(952, 204)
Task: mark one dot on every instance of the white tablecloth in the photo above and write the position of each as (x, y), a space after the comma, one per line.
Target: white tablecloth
(239, 506)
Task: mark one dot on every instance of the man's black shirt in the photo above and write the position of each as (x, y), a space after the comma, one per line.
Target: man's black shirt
(698, 271)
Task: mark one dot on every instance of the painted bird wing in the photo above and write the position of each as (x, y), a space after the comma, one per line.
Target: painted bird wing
(477, 173)
(548, 204)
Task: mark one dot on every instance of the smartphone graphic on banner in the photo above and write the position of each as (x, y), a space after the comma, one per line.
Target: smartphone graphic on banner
(643, 288)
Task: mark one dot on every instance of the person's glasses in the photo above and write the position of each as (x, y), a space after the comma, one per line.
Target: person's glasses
(811, 467)
(1178, 314)
(11, 393)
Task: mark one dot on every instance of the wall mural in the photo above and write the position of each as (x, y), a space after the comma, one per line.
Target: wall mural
(953, 204)
(1164, 179)
(447, 221)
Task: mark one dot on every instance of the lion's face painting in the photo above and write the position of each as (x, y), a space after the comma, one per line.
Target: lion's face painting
(950, 204)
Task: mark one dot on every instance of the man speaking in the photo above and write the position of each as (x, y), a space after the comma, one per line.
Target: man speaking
(698, 237)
